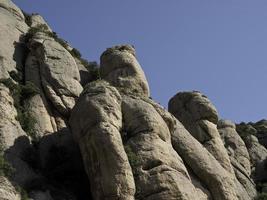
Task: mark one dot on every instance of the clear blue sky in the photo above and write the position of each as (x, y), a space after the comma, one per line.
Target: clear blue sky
(217, 47)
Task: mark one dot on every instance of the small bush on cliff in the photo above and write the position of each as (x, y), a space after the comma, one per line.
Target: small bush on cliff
(58, 39)
(28, 90)
(132, 157)
(92, 68)
(245, 130)
(76, 53)
(27, 17)
(5, 168)
(20, 94)
(44, 29)
(33, 30)
(22, 192)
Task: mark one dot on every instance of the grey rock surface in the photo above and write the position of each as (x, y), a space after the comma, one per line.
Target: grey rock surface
(121, 69)
(125, 122)
(238, 154)
(110, 129)
(108, 168)
(12, 26)
(58, 72)
(7, 190)
(200, 118)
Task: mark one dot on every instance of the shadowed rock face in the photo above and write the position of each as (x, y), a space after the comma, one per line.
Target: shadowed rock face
(257, 152)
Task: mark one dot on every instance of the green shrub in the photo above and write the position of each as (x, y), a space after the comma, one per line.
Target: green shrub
(58, 39)
(245, 130)
(27, 17)
(39, 28)
(76, 53)
(22, 192)
(16, 76)
(5, 168)
(33, 30)
(20, 94)
(29, 90)
(132, 157)
(92, 68)
(27, 122)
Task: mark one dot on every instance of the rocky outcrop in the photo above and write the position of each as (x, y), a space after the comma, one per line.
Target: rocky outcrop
(65, 133)
(108, 169)
(121, 69)
(261, 127)
(257, 152)
(58, 72)
(32, 58)
(131, 131)
(200, 118)
(238, 154)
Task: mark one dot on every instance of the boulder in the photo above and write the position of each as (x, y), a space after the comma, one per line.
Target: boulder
(121, 69)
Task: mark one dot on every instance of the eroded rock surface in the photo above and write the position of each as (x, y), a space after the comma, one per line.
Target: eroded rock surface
(131, 131)
(238, 154)
(7, 190)
(12, 26)
(127, 144)
(200, 118)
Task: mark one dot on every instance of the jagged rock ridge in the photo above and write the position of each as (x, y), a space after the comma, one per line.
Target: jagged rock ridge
(65, 133)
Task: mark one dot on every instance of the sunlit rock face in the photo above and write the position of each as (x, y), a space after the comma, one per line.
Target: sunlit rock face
(121, 69)
(117, 125)
(200, 118)
(64, 135)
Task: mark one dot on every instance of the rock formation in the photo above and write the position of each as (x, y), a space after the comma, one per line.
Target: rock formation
(67, 134)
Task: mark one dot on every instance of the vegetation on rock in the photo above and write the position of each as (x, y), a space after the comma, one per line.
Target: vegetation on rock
(132, 157)
(92, 67)
(5, 168)
(27, 17)
(20, 94)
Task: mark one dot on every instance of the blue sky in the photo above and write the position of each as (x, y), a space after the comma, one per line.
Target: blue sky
(216, 47)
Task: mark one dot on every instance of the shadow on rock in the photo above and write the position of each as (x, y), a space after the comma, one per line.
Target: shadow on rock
(55, 167)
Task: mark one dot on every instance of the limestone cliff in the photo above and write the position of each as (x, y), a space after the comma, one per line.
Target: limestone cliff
(72, 130)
